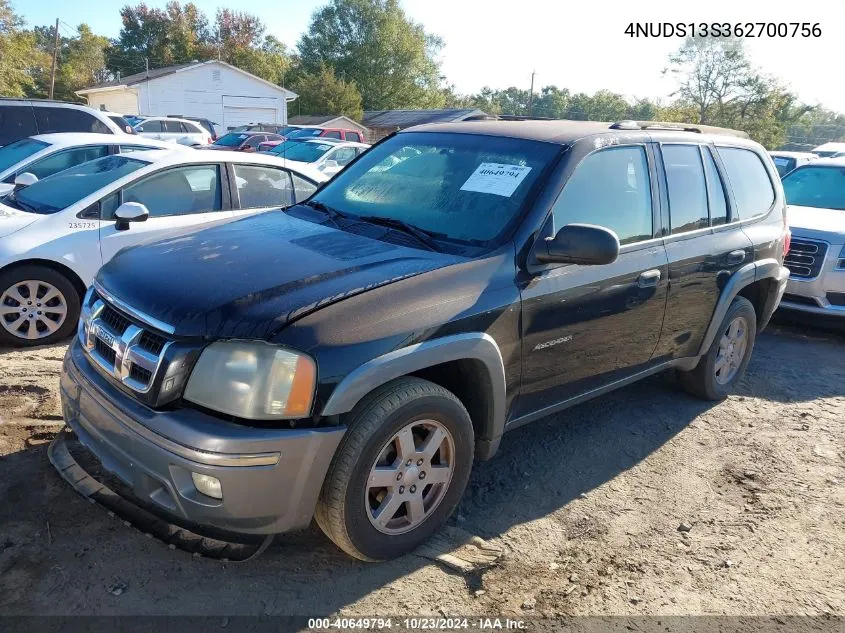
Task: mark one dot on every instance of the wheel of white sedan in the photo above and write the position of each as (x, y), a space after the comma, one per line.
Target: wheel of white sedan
(38, 306)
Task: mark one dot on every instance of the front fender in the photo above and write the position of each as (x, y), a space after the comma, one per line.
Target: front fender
(401, 362)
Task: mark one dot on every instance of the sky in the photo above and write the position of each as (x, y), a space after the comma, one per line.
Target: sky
(576, 44)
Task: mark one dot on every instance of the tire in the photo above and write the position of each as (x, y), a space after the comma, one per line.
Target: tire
(704, 381)
(345, 508)
(16, 287)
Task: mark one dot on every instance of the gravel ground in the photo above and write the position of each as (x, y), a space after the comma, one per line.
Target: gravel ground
(643, 502)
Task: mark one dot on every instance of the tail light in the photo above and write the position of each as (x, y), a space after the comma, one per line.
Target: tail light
(787, 241)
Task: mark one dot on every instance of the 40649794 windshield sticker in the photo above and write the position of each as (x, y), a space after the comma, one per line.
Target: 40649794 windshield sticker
(495, 178)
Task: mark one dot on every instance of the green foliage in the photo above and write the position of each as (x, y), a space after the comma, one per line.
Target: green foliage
(373, 44)
(324, 93)
(18, 54)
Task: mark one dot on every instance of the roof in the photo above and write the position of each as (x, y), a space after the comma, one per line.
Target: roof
(156, 73)
(407, 118)
(69, 139)
(333, 141)
(838, 161)
(787, 154)
(561, 131)
(319, 120)
(830, 147)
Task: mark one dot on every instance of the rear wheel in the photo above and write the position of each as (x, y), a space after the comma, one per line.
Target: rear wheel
(722, 367)
(399, 471)
(38, 306)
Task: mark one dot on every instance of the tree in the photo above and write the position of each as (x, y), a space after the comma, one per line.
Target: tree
(83, 63)
(18, 54)
(324, 93)
(373, 44)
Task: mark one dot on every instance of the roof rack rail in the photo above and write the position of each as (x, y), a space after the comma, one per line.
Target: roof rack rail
(677, 127)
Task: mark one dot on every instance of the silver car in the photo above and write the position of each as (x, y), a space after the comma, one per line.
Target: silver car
(815, 194)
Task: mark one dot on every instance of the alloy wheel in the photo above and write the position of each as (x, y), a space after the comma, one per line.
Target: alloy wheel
(410, 477)
(732, 348)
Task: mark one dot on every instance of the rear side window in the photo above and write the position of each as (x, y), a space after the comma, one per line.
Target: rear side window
(16, 122)
(302, 188)
(65, 159)
(610, 188)
(68, 120)
(749, 181)
(715, 191)
(178, 191)
(263, 187)
(687, 189)
(173, 127)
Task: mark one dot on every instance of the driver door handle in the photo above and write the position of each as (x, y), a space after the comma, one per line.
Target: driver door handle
(649, 279)
(736, 257)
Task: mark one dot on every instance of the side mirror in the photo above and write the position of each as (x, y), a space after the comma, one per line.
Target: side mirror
(25, 180)
(130, 212)
(584, 244)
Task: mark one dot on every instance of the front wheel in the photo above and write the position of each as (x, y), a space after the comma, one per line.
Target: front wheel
(38, 306)
(721, 368)
(399, 471)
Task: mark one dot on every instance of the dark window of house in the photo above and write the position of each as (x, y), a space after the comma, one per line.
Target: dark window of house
(687, 188)
(749, 180)
(610, 188)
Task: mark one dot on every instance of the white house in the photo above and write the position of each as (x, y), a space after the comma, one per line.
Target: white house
(213, 90)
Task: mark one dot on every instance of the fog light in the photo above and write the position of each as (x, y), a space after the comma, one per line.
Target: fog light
(208, 485)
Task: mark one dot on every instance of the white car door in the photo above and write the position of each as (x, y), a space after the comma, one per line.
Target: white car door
(151, 128)
(177, 198)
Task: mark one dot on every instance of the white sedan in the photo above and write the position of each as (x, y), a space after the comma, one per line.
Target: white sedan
(47, 154)
(56, 233)
(181, 131)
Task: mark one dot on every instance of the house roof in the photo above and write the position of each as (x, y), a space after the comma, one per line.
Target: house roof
(407, 118)
(156, 73)
(320, 119)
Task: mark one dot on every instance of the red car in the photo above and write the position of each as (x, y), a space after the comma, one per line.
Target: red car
(317, 132)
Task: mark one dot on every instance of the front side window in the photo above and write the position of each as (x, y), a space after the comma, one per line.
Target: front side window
(15, 152)
(150, 127)
(687, 189)
(263, 187)
(753, 191)
(610, 188)
(178, 191)
(822, 187)
(65, 159)
(302, 188)
(353, 136)
(344, 155)
(61, 190)
(460, 187)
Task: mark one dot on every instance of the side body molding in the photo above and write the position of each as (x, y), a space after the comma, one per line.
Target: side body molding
(748, 274)
(472, 345)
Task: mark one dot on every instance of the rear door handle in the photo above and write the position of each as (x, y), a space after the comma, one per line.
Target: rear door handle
(649, 279)
(736, 257)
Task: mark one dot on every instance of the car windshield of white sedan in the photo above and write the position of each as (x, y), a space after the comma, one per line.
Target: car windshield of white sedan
(232, 139)
(460, 187)
(15, 152)
(301, 151)
(61, 190)
(817, 186)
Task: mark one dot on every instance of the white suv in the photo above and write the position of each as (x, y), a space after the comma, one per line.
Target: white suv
(56, 233)
(20, 118)
(172, 130)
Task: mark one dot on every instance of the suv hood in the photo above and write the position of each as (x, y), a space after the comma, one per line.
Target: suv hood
(12, 220)
(814, 222)
(251, 277)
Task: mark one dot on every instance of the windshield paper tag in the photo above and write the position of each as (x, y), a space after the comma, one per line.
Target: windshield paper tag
(500, 180)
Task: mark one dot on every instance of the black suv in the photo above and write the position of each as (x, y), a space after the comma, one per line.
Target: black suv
(347, 358)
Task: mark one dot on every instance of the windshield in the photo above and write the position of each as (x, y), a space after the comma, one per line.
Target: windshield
(784, 164)
(15, 152)
(305, 132)
(287, 131)
(61, 190)
(303, 152)
(821, 187)
(232, 139)
(463, 187)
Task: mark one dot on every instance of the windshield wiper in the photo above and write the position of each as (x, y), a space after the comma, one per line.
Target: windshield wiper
(423, 236)
(333, 213)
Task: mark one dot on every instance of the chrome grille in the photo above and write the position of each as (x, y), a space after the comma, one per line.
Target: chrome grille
(805, 258)
(126, 352)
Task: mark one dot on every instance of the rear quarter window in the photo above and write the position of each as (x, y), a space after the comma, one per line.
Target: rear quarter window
(68, 120)
(749, 180)
(16, 122)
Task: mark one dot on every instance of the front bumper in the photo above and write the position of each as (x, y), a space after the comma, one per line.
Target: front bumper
(270, 478)
(813, 295)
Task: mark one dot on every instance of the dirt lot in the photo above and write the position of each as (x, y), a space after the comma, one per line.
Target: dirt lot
(586, 505)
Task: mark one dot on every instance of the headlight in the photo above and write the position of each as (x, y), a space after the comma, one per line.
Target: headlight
(253, 380)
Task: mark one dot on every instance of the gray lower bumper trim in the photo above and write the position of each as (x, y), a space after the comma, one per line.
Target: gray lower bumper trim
(132, 514)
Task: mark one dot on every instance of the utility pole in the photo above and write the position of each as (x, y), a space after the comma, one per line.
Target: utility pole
(147, 65)
(55, 56)
(531, 94)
